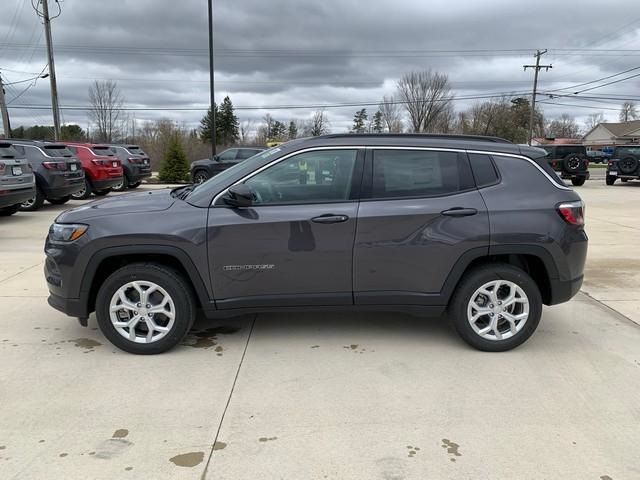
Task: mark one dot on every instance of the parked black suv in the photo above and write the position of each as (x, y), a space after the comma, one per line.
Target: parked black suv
(624, 164)
(58, 173)
(136, 166)
(17, 182)
(203, 170)
(570, 161)
(415, 223)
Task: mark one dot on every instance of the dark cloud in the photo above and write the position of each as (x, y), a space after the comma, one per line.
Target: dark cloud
(292, 52)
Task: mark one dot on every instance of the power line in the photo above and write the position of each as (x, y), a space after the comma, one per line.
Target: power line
(609, 83)
(596, 81)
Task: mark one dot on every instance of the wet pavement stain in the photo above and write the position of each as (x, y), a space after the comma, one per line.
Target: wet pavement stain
(120, 433)
(267, 439)
(112, 448)
(452, 448)
(605, 477)
(129, 468)
(190, 459)
(63, 455)
(2, 447)
(412, 451)
(315, 346)
(86, 343)
(207, 338)
(219, 445)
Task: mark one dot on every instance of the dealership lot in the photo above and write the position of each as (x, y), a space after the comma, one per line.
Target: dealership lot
(367, 395)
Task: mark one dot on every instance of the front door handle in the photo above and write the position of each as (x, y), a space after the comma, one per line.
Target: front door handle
(330, 218)
(459, 212)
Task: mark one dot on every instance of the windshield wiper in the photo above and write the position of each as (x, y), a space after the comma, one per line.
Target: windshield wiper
(183, 191)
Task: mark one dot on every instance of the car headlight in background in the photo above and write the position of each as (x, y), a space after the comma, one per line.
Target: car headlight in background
(67, 232)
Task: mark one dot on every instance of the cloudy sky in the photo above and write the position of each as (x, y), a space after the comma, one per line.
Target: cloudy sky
(294, 52)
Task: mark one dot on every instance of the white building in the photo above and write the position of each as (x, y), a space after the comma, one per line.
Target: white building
(610, 134)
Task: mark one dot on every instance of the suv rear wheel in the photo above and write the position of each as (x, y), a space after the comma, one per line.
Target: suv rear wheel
(121, 187)
(84, 193)
(578, 181)
(145, 308)
(135, 185)
(496, 307)
(200, 176)
(59, 201)
(34, 203)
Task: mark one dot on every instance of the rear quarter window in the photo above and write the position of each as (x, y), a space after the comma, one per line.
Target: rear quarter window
(484, 171)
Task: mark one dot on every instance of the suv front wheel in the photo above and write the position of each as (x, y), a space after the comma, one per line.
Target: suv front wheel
(145, 308)
(496, 307)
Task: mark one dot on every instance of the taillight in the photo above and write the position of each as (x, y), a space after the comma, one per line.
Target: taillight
(55, 165)
(135, 160)
(553, 163)
(572, 212)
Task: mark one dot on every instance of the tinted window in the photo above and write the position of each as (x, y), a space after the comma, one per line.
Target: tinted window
(563, 151)
(483, 170)
(102, 151)
(57, 151)
(418, 173)
(622, 152)
(245, 153)
(7, 151)
(311, 177)
(228, 154)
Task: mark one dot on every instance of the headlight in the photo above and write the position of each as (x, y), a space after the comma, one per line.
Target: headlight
(66, 232)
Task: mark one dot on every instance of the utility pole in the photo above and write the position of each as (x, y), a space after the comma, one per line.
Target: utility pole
(537, 67)
(211, 92)
(52, 70)
(5, 112)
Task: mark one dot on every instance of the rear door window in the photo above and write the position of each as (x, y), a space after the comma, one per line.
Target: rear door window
(419, 173)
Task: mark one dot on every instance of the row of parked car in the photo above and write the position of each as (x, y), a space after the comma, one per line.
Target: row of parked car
(32, 172)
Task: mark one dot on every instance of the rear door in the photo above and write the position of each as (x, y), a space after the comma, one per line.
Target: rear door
(422, 214)
(294, 245)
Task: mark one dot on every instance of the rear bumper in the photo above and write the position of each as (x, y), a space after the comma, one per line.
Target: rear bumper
(569, 176)
(105, 184)
(563, 291)
(17, 196)
(135, 173)
(71, 188)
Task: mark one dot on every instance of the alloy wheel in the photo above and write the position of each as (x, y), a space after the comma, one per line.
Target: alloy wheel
(498, 310)
(142, 311)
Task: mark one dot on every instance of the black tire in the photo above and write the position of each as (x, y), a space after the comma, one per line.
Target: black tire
(135, 185)
(84, 193)
(476, 278)
(200, 176)
(624, 180)
(167, 278)
(610, 179)
(8, 211)
(571, 163)
(628, 165)
(102, 193)
(59, 201)
(122, 187)
(34, 203)
(578, 181)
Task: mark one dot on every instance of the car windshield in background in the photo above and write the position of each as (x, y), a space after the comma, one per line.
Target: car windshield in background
(102, 151)
(58, 151)
(136, 151)
(7, 151)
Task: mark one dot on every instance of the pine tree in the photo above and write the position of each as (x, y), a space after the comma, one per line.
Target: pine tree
(205, 126)
(278, 130)
(174, 166)
(377, 126)
(293, 130)
(227, 125)
(359, 121)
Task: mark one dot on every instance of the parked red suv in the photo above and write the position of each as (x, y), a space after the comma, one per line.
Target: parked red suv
(102, 169)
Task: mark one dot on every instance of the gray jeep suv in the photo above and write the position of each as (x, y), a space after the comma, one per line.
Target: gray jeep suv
(412, 223)
(17, 182)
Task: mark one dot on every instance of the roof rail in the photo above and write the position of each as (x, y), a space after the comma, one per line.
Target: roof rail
(444, 136)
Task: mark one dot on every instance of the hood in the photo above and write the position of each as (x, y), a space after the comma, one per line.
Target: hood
(138, 202)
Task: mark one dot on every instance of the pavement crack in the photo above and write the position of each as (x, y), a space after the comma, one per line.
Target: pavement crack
(224, 412)
(21, 272)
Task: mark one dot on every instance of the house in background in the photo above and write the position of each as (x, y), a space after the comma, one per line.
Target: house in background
(612, 134)
(537, 142)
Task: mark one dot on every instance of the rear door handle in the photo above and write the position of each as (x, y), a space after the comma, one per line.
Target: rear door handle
(330, 218)
(459, 212)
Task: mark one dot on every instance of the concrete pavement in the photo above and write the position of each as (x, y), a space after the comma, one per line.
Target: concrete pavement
(367, 395)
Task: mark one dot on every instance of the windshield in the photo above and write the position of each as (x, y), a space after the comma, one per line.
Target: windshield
(250, 163)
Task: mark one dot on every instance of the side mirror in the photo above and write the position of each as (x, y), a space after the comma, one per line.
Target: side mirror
(216, 158)
(239, 196)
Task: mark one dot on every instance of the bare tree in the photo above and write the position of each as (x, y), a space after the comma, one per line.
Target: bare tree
(593, 120)
(564, 126)
(317, 125)
(628, 112)
(426, 95)
(391, 115)
(106, 109)
(246, 127)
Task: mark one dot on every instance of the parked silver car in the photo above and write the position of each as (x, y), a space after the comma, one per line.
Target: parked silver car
(17, 182)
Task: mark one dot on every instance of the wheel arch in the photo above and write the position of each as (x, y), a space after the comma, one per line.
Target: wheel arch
(534, 260)
(105, 262)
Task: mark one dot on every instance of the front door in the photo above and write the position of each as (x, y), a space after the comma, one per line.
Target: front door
(294, 245)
